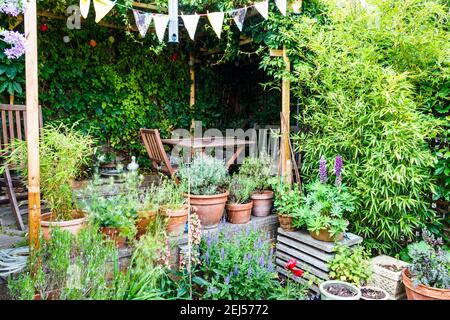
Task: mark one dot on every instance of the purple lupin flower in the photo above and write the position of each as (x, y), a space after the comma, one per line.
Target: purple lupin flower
(323, 170)
(17, 41)
(338, 165)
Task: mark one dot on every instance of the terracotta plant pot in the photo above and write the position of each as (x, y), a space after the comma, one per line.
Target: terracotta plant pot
(383, 295)
(176, 220)
(143, 221)
(262, 203)
(50, 295)
(209, 208)
(73, 226)
(422, 292)
(114, 235)
(286, 222)
(325, 293)
(239, 213)
(324, 235)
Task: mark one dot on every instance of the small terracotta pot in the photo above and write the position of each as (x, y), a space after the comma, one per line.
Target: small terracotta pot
(239, 213)
(422, 292)
(324, 235)
(73, 226)
(286, 222)
(176, 220)
(50, 295)
(262, 203)
(114, 235)
(143, 221)
(209, 209)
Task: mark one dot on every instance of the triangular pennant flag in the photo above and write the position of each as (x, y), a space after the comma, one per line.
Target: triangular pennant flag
(263, 8)
(161, 21)
(102, 7)
(143, 21)
(190, 23)
(84, 7)
(216, 20)
(282, 5)
(297, 6)
(239, 17)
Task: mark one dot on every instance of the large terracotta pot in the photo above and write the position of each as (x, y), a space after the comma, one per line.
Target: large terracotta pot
(324, 235)
(286, 222)
(422, 292)
(114, 235)
(239, 213)
(73, 226)
(209, 208)
(143, 221)
(176, 220)
(262, 203)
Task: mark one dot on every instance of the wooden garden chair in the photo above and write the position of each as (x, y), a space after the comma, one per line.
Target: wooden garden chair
(156, 153)
(13, 126)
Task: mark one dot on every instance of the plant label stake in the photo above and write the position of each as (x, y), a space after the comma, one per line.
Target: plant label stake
(173, 21)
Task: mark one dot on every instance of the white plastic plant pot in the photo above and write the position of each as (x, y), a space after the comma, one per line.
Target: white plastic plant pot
(326, 295)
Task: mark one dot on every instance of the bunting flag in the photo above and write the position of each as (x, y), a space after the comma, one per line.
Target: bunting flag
(190, 23)
(143, 21)
(263, 8)
(84, 7)
(282, 6)
(239, 17)
(216, 20)
(297, 6)
(161, 21)
(102, 7)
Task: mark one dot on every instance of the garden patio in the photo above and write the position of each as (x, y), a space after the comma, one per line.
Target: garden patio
(237, 150)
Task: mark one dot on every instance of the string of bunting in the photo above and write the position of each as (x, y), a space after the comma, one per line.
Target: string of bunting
(216, 19)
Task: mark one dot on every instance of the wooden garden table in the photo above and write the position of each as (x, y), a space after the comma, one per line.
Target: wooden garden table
(200, 144)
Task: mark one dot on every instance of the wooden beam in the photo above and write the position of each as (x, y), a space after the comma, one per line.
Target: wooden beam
(192, 91)
(152, 7)
(286, 159)
(31, 78)
(276, 53)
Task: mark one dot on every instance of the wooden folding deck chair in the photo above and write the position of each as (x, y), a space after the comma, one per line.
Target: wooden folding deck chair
(13, 126)
(155, 150)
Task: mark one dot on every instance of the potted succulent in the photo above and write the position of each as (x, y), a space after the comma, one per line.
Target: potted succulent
(259, 170)
(239, 206)
(322, 210)
(173, 206)
(287, 202)
(63, 152)
(204, 182)
(427, 277)
(338, 290)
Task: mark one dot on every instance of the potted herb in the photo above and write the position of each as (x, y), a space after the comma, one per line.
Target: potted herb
(338, 290)
(427, 277)
(63, 152)
(287, 201)
(239, 206)
(258, 169)
(204, 182)
(173, 207)
(323, 209)
(148, 208)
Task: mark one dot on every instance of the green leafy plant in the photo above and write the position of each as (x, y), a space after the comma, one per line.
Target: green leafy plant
(207, 176)
(259, 170)
(241, 188)
(350, 265)
(169, 194)
(289, 201)
(430, 264)
(62, 153)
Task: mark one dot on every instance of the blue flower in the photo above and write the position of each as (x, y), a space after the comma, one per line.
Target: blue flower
(222, 253)
(250, 272)
(227, 278)
(261, 261)
(236, 270)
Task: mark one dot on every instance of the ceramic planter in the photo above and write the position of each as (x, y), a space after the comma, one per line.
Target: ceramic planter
(326, 295)
(262, 203)
(239, 213)
(383, 293)
(176, 220)
(324, 235)
(73, 226)
(209, 208)
(114, 235)
(143, 221)
(387, 275)
(422, 292)
(286, 222)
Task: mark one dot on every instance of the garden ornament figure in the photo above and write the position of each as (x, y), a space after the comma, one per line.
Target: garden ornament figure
(133, 166)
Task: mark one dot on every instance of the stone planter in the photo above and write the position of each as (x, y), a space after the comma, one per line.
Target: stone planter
(262, 203)
(239, 213)
(209, 208)
(176, 220)
(326, 295)
(422, 292)
(389, 279)
(73, 226)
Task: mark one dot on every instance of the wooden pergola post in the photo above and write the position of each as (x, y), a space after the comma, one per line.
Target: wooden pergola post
(192, 90)
(32, 122)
